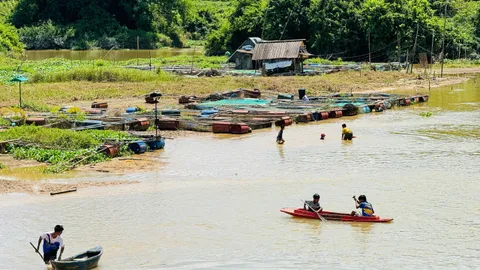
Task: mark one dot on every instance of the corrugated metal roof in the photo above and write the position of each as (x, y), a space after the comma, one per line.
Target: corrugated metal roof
(282, 49)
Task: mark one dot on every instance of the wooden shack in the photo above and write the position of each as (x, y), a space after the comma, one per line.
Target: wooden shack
(242, 57)
(280, 56)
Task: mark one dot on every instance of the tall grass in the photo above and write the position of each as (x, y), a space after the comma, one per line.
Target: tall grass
(103, 74)
(62, 138)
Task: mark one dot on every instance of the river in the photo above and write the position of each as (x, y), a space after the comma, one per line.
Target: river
(112, 55)
(216, 204)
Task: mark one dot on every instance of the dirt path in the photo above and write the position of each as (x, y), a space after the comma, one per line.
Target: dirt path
(45, 188)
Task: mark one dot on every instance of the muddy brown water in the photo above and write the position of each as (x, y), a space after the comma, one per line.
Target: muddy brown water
(216, 204)
(112, 55)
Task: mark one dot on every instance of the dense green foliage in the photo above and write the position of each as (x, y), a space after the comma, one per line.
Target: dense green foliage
(60, 147)
(333, 28)
(341, 28)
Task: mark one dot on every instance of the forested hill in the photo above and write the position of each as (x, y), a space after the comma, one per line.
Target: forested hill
(333, 28)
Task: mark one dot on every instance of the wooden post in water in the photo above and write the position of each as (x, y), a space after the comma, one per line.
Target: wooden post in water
(138, 47)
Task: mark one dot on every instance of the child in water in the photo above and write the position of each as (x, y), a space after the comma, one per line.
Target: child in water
(280, 139)
(322, 136)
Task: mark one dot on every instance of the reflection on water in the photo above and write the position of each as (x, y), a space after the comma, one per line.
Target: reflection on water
(113, 55)
(216, 204)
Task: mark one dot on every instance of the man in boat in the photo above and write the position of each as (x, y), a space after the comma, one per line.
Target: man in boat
(280, 139)
(347, 133)
(367, 208)
(52, 242)
(313, 206)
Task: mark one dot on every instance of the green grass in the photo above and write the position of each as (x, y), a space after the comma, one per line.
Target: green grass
(61, 148)
(336, 62)
(62, 138)
(459, 63)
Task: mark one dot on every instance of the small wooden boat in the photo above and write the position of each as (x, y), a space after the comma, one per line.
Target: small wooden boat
(83, 261)
(333, 216)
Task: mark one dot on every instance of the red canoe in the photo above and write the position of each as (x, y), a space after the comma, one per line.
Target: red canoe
(300, 212)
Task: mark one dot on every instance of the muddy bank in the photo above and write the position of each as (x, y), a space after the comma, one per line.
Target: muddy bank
(137, 163)
(45, 188)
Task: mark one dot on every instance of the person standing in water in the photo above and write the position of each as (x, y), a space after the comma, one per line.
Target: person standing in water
(347, 133)
(280, 139)
(52, 242)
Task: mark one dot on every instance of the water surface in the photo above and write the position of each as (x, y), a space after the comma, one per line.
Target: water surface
(216, 204)
(112, 55)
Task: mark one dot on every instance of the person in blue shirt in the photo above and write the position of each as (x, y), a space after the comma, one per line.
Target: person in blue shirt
(367, 208)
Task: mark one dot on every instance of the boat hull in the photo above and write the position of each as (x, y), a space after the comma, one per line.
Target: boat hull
(333, 216)
(83, 261)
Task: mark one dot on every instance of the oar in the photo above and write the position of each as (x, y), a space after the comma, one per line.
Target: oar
(36, 250)
(319, 216)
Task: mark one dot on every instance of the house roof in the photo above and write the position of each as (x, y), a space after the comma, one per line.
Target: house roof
(279, 49)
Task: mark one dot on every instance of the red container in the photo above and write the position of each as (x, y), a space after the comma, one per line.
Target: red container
(323, 115)
(141, 124)
(335, 114)
(93, 111)
(110, 150)
(240, 128)
(304, 118)
(405, 102)
(275, 113)
(185, 99)
(285, 121)
(222, 127)
(99, 105)
(240, 111)
(37, 121)
(168, 124)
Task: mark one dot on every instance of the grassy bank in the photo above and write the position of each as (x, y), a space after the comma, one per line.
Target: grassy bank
(60, 148)
(64, 92)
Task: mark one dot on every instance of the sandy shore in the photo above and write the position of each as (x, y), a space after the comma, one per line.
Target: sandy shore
(45, 188)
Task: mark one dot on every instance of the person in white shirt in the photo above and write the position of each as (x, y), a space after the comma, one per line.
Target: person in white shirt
(52, 242)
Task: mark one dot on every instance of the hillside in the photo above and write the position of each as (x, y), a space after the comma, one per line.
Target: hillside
(333, 28)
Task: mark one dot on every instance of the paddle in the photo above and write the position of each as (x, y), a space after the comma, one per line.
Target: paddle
(319, 216)
(36, 250)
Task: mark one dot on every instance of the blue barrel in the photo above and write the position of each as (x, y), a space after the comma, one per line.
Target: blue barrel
(138, 147)
(316, 116)
(209, 112)
(131, 110)
(285, 96)
(366, 109)
(156, 144)
(170, 112)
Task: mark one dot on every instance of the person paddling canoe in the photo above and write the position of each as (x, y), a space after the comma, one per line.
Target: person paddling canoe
(313, 206)
(52, 242)
(367, 208)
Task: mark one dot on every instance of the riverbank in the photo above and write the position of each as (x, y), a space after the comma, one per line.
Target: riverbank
(46, 188)
(129, 93)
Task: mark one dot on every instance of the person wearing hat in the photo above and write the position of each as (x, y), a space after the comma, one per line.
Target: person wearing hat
(313, 206)
(322, 136)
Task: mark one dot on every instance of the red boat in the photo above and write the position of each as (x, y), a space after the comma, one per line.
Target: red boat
(333, 216)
